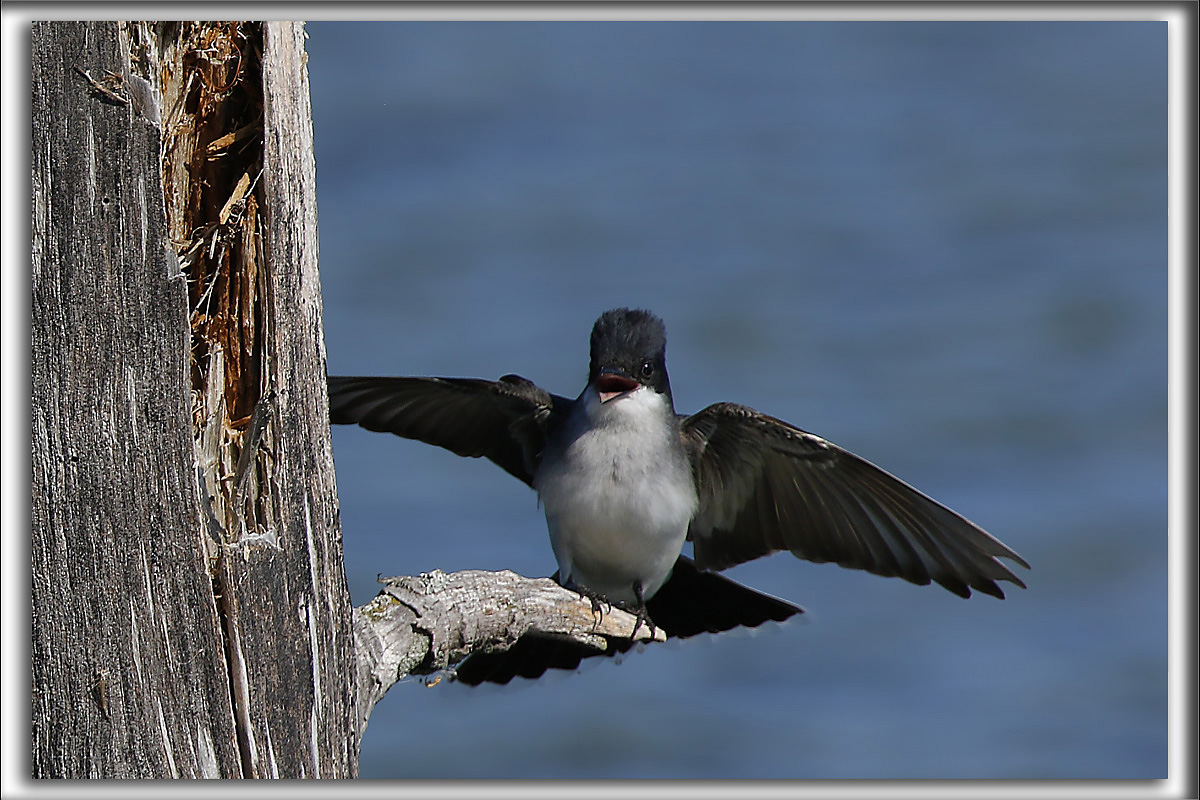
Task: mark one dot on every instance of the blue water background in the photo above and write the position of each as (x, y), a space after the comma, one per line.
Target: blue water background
(942, 246)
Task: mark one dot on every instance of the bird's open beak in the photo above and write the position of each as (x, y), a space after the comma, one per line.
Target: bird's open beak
(611, 385)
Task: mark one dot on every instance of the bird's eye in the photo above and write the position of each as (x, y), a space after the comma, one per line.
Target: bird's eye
(647, 369)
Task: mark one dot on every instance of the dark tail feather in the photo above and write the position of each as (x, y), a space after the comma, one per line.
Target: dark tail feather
(690, 602)
(694, 601)
(529, 658)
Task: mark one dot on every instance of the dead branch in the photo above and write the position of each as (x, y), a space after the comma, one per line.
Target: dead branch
(428, 623)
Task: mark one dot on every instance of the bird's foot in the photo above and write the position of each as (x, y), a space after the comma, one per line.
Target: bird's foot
(598, 601)
(602, 605)
(643, 614)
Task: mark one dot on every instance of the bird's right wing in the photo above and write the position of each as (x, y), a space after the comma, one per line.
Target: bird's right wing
(504, 420)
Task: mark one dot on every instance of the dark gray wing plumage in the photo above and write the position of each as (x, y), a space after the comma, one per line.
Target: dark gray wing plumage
(504, 420)
(766, 486)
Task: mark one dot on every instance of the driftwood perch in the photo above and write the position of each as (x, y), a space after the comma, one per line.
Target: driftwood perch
(428, 623)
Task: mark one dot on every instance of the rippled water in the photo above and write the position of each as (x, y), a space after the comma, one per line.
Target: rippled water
(941, 246)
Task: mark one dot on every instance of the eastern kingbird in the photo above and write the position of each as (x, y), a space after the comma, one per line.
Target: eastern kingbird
(625, 481)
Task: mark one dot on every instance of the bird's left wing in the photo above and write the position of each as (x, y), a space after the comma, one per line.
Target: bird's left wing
(504, 420)
(766, 486)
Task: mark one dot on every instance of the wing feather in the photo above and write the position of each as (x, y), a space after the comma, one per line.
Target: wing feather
(504, 421)
(765, 486)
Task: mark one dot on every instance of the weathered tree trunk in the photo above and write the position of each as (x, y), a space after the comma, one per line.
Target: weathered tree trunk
(190, 613)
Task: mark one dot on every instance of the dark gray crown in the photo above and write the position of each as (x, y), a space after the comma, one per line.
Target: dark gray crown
(628, 339)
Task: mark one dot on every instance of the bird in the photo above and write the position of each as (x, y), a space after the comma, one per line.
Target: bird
(625, 481)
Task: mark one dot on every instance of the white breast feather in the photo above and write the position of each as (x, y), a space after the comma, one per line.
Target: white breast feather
(617, 505)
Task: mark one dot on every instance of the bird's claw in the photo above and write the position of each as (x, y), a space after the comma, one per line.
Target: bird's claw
(602, 605)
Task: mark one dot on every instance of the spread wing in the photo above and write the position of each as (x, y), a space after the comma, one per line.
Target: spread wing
(504, 420)
(766, 486)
